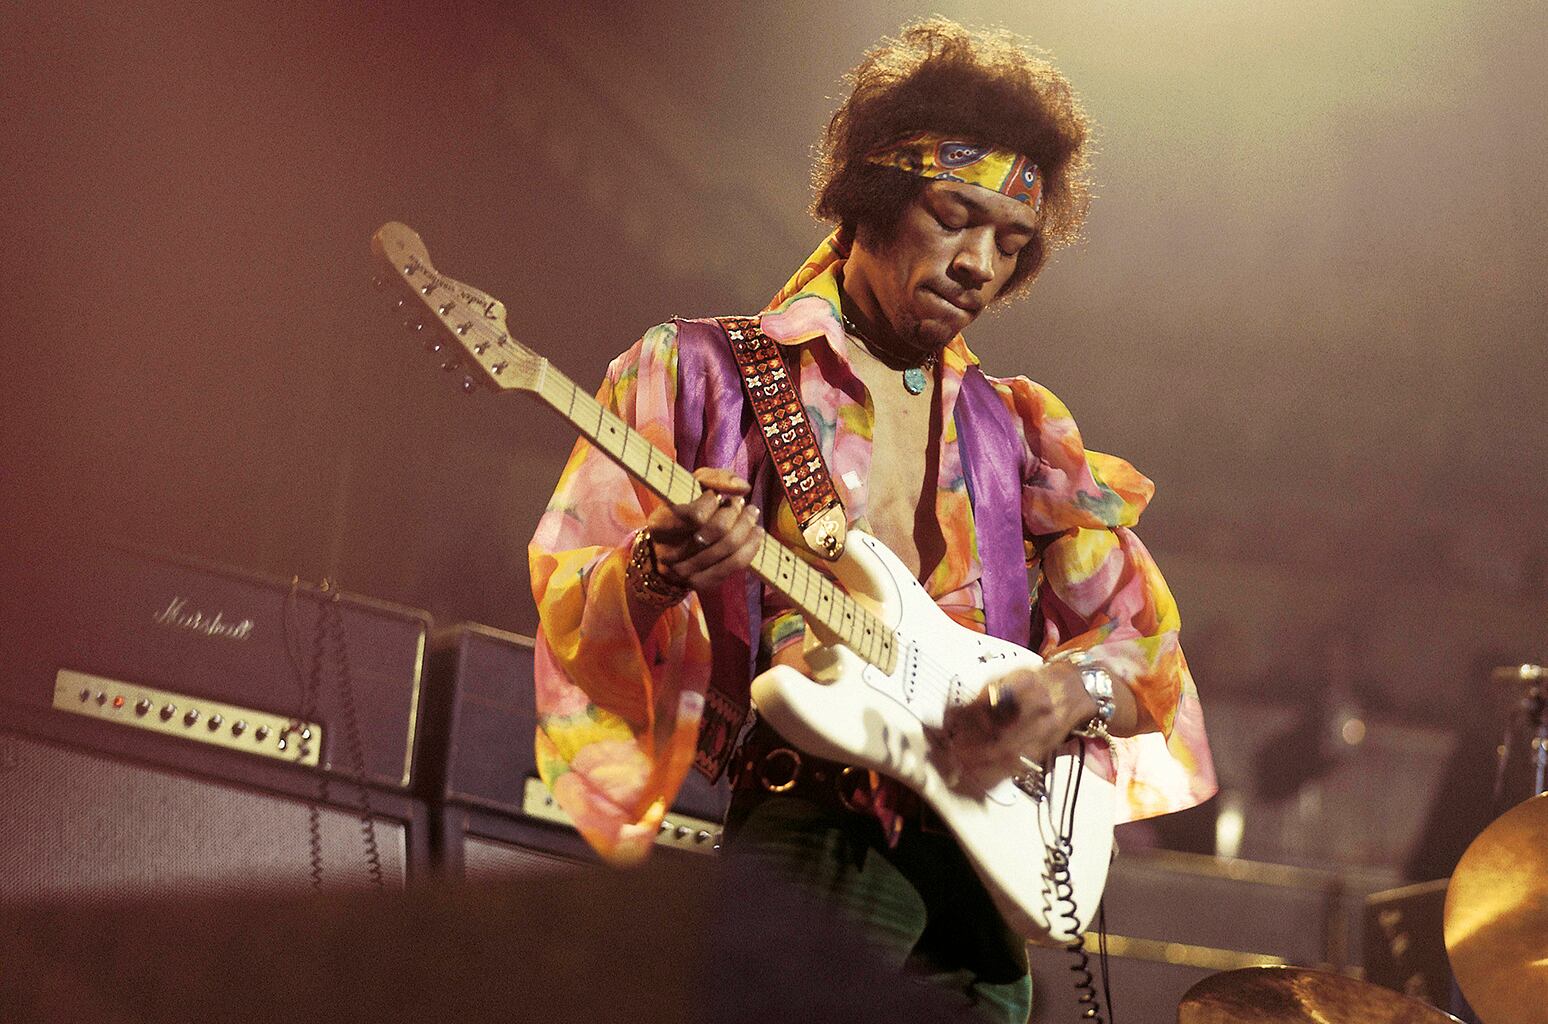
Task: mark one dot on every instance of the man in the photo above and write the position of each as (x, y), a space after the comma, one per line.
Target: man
(953, 170)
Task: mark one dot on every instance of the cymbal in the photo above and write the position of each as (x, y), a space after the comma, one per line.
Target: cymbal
(1497, 917)
(1299, 995)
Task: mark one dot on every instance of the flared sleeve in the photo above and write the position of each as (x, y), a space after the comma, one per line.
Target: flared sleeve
(1100, 590)
(618, 715)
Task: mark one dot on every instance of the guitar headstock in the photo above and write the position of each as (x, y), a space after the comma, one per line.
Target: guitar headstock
(449, 313)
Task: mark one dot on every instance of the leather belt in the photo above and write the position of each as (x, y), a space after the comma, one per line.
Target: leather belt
(767, 763)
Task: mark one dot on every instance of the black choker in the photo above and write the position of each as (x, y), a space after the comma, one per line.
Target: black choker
(914, 379)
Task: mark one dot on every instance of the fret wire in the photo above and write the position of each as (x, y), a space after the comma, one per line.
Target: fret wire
(623, 455)
(596, 430)
(605, 428)
(623, 448)
(807, 587)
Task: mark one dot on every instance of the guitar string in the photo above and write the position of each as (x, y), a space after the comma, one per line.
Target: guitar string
(938, 682)
(485, 335)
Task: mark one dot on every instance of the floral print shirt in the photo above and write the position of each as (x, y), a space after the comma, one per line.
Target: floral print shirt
(619, 714)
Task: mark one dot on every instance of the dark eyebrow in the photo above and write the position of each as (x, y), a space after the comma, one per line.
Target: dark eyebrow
(982, 209)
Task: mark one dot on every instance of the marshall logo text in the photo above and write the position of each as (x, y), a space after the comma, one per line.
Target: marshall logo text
(178, 616)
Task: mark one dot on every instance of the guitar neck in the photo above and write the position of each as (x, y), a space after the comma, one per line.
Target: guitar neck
(818, 598)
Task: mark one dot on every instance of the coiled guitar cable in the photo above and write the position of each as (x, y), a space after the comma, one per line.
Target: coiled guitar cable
(330, 626)
(1064, 892)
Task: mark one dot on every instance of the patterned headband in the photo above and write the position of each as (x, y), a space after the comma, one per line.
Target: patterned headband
(944, 159)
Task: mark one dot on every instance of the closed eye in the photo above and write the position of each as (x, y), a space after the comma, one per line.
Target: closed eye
(1012, 246)
(951, 221)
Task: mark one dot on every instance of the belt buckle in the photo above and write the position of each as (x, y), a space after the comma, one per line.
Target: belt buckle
(795, 770)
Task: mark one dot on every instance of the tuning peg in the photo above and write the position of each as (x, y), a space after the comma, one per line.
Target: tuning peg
(451, 365)
(469, 385)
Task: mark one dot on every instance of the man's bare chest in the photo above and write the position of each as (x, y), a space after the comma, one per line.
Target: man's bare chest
(900, 487)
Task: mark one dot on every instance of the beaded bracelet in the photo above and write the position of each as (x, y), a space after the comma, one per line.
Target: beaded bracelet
(646, 584)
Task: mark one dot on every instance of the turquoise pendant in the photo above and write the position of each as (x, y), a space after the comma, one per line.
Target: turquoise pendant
(914, 380)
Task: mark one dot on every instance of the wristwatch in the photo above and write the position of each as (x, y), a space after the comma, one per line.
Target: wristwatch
(1099, 684)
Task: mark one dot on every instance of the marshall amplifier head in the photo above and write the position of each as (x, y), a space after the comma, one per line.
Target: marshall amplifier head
(218, 672)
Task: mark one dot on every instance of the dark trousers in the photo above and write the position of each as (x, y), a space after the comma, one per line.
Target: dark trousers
(919, 906)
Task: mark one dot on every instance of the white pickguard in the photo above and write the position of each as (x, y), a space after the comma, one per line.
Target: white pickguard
(852, 711)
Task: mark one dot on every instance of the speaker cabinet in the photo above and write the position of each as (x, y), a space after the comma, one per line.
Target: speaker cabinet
(496, 818)
(82, 826)
(1405, 941)
(175, 728)
(1176, 918)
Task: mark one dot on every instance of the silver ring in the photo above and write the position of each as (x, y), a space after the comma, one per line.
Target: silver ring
(698, 538)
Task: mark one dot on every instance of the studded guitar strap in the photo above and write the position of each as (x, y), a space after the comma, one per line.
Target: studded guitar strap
(803, 476)
(793, 451)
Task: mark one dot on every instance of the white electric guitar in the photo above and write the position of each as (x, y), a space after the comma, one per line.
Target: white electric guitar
(890, 661)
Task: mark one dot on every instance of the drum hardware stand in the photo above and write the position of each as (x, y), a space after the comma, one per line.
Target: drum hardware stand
(1533, 708)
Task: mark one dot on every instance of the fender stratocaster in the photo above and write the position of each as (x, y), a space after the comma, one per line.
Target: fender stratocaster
(889, 664)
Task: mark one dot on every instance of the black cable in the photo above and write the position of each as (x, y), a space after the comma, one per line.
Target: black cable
(1064, 892)
(330, 627)
(1107, 988)
(355, 748)
(311, 686)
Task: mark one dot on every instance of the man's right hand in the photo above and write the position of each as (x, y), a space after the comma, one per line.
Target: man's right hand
(702, 543)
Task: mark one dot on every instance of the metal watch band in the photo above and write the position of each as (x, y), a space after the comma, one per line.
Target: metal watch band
(1099, 684)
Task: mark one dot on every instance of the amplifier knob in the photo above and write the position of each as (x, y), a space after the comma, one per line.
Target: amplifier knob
(101, 697)
(142, 706)
(238, 727)
(701, 836)
(167, 711)
(682, 831)
(85, 695)
(191, 717)
(261, 734)
(215, 721)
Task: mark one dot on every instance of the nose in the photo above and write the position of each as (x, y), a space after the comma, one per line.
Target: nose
(973, 263)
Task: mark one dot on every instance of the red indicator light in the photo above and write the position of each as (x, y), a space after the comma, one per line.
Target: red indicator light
(118, 702)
